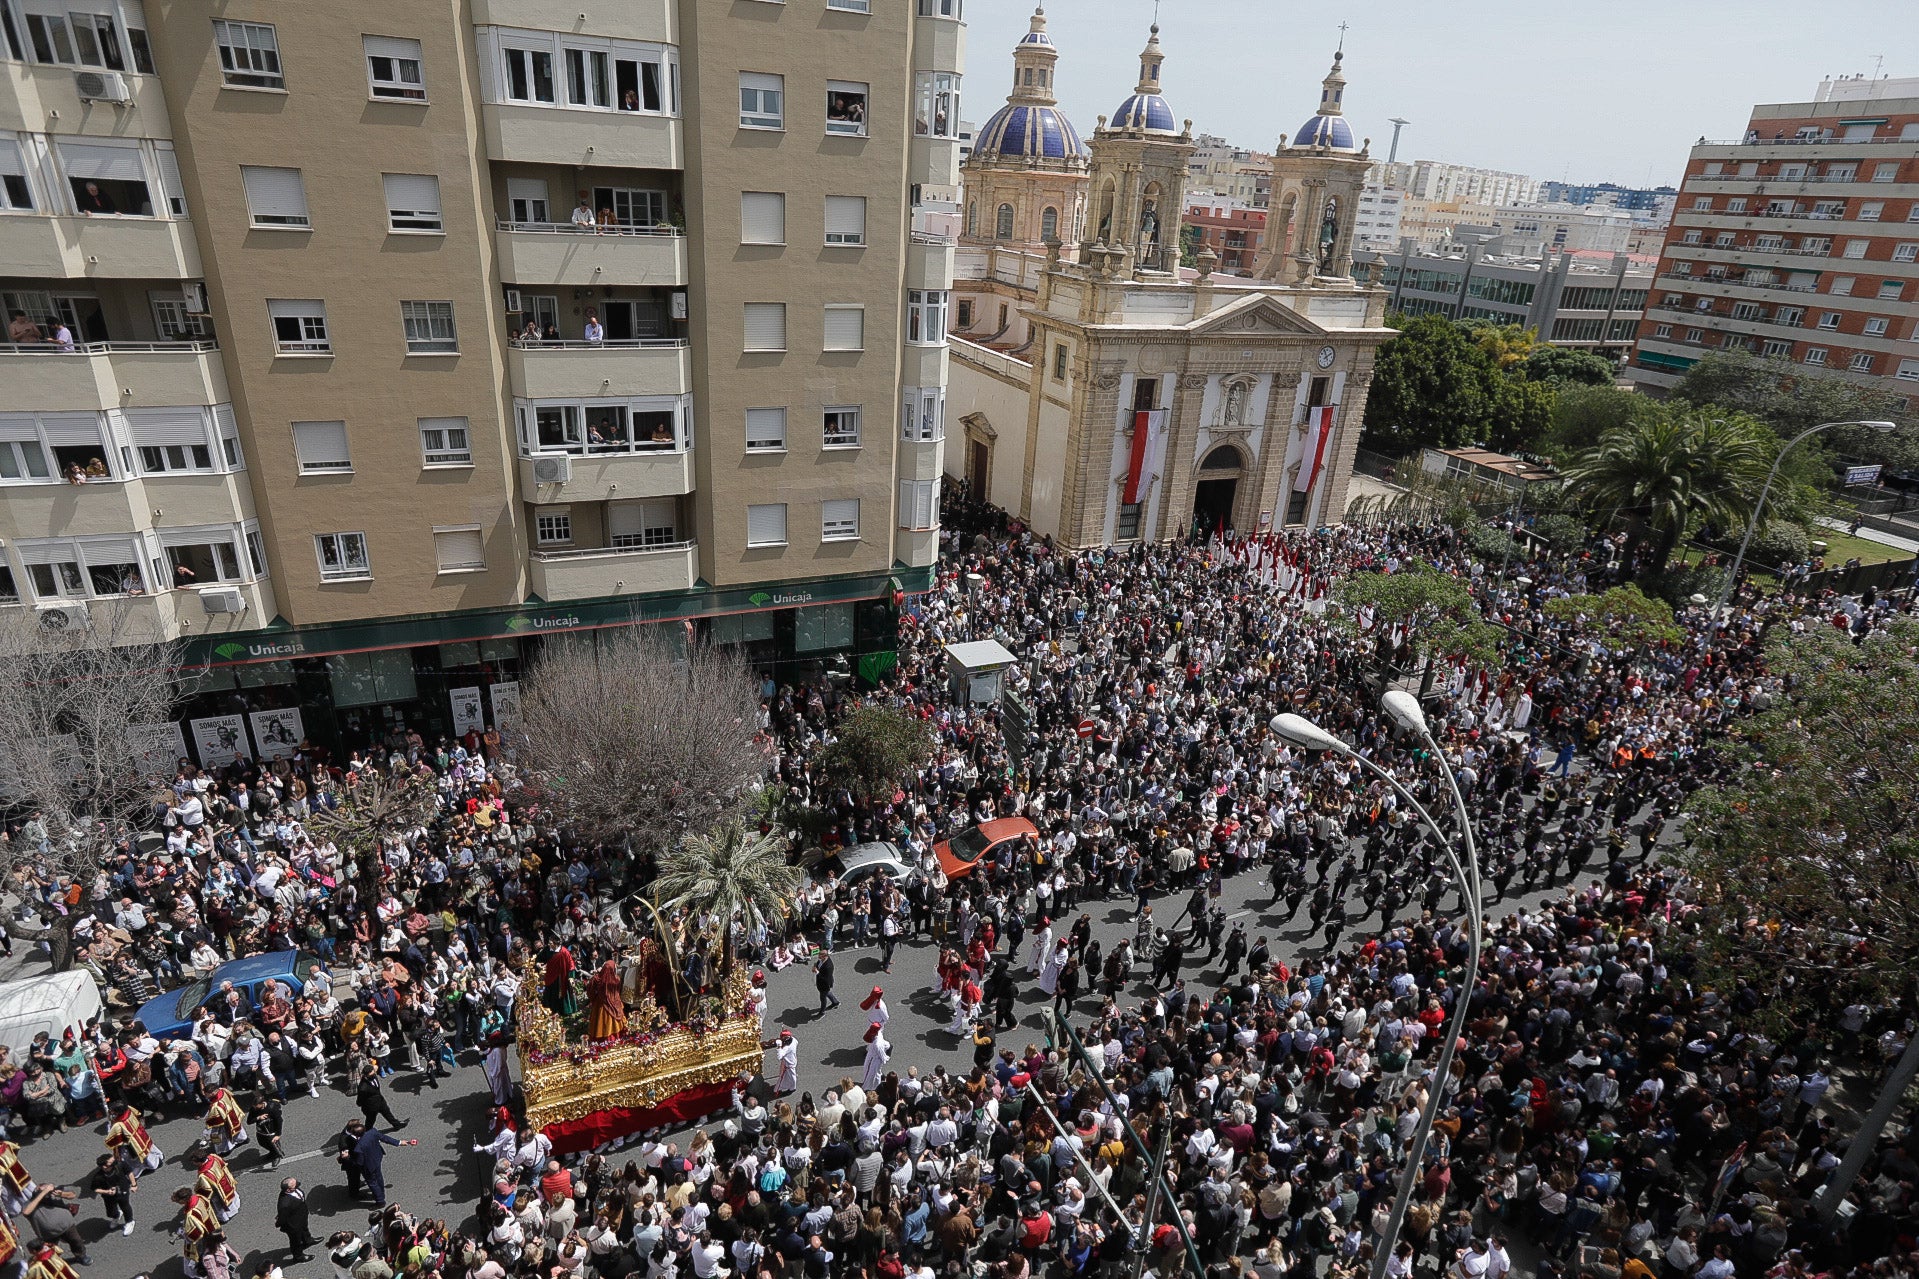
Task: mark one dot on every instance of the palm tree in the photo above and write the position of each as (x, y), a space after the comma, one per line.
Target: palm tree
(726, 873)
(1664, 473)
(1505, 344)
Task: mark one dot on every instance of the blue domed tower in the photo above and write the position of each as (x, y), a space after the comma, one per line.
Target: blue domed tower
(1025, 180)
(1138, 178)
(1317, 180)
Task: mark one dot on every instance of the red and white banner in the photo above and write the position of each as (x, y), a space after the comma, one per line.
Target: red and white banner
(1319, 434)
(1149, 444)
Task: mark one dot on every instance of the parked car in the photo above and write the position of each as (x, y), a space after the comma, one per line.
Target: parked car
(171, 1014)
(958, 855)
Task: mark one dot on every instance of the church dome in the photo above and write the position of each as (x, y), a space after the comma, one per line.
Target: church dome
(1325, 131)
(1028, 131)
(1145, 111)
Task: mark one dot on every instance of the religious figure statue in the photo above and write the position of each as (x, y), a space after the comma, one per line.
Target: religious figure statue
(1149, 226)
(556, 988)
(1235, 412)
(605, 1004)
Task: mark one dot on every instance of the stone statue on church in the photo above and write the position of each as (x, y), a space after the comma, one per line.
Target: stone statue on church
(1235, 411)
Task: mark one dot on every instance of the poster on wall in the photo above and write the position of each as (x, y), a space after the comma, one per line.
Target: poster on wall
(157, 748)
(220, 739)
(278, 732)
(506, 703)
(467, 715)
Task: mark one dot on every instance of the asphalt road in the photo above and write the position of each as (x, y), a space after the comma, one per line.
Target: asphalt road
(443, 1178)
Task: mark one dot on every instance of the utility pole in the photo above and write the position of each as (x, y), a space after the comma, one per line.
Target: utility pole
(1392, 153)
(1144, 1244)
(1890, 1095)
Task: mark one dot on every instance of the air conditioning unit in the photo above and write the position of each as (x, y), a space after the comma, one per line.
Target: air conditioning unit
(552, 470)
(61, 618)
(102, 86)
(513, 300)
(224, 599)
(195, 293)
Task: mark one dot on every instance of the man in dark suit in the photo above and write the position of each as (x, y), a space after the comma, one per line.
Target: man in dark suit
(290, 1217)
(371, 1149)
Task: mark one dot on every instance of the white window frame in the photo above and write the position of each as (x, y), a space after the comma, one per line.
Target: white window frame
(919, 505)
(323, 448)
(757, 208)
(408, 209)
(398, 51)
(851, 6)
(532, 50)
(1876, 326)
(421, 323)
(1857, 249)
(1861, 362)
(1891, 290)
(1662, 330)
(840, 519)
(1814, 356)
(942, 9)
(837, 313)
(249, 55)
(750, 312)
(758, 111)
(926, 316)
(765, 432)
(923, 414)
(310, 314)
(576, 422)
(1907, 250)
(553, 526)
(845, 217)
(840, 426)
(354, 563)
(653, 69)
(1908, 371)
(1871, 211)
(276, 198)
(1829, 320)
(848, 128)
(936, 96)
(763, 539)
(174, 459)
(16, 176)
(434, 455)
(458, 566)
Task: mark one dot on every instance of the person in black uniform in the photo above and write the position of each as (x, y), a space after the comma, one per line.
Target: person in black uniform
(290, 1218)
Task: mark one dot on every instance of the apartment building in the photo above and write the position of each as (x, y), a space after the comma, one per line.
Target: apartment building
(373, 346)
(1231, 230)
(1800, 242)
(1591, 301)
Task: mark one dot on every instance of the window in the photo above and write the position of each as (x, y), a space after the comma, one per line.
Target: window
(845, 328)
(1662, 330)
(276, 198)
(529, 74)
(1792, 315)
(1886, 172)
(926, 316)
(851, 6)
(1841, 285)
(936, 110)
(919, 504)
(1126, 527)
(1861, 362)
(527, 200)
(1776, 349)
(1889, 290)
(1059, 361)
(1816, 245)
(177, 324)
(841, 428)
(762, 101)
(1724, 240)
(1695, 335)
(1857, 248)
(1003, 223)
(762, 217)
(1908, 371)
(589, 79)
(106, 179)
(632, 526)
(412, 202)
(1815, 356)
(1049, 225)
(639, 424)
(444, 441)
(343, 556)
(840, 519)
(922, 414)
(846, 219)
(393, 68)
(1876, 326)
(299, 327)
(966, 313)
(972, 216)
(1829, 319)
(89, 39)
(1908, 251)
(1736, 205)
(459, 550)
(766, 524)
(632, 206)
(765, 326)
(553, 526)
(249, 55)
(16, 192)
(1748, 311)
(940, 9)
(321, 447)
(766, 430)
(1871, 210)
(202, 558)
(429, 328)
(1702, 203)
(846, 107)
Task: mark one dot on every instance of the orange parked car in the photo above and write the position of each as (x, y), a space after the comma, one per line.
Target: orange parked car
(958, 855)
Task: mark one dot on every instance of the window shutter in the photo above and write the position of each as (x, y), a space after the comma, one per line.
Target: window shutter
(155, 427)
(73, 430)
(275, 196)
(459, 548)
(624, 522)
(413, 199)
(322, 446)
(845, 219)
(109, 550)
(170, 181)
(762, 217)
(841, 510)
(845, 328)
(12, 165)
(18, 428)
(102, 163)
(919, 499)
(766, 326)
(766, 428)
(766, 525)
(388, 47)
(44, 552)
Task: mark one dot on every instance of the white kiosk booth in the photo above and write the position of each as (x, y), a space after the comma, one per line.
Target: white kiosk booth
(974, 669)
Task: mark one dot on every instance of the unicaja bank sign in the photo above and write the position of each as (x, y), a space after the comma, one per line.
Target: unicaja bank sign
(523, 623)
(234, 650)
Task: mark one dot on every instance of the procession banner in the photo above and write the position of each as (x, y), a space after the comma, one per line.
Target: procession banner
(506, 703)
(278, 732)
(157, 748)
(220, 739)
(467, 715)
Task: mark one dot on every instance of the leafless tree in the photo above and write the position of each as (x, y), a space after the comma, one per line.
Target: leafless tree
(374, 805)
(630, 741)
(82, 754)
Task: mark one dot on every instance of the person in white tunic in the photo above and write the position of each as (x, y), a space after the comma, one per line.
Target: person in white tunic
(1042, 947)
(1056, 960)
(878, 1051)
(787, 1052)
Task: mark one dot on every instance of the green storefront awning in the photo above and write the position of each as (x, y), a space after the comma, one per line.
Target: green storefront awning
(1671, 363)
(537, 618)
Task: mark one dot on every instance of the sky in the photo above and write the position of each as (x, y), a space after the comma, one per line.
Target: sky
(1589, 92)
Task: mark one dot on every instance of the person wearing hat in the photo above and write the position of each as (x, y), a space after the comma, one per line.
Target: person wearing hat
(878, 1051)
(875, 1005)
(787, 1052)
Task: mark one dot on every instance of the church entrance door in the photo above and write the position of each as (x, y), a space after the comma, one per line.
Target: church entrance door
(1213, 505)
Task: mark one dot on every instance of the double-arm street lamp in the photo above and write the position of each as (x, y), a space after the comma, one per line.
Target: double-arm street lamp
(1404, 710)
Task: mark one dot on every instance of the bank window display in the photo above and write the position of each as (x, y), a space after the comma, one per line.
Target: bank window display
(369, 679)
(822, 627)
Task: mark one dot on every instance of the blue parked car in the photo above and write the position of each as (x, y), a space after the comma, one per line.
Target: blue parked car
(169, 1015)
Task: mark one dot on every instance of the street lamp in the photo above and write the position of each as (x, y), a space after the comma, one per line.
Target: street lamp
(1404, 710)
(1725, 596)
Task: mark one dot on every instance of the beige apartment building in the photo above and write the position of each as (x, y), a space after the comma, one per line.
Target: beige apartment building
(369, 347)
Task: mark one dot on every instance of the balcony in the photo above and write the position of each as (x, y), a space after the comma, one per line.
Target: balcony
(556, 135)
(104, 507)
(601, 477)
(625, 19)
(170, 613)
(929, 261)
(589, 574)
(543, 253)
(112, 375)
(562, 370)
(33, 93)
(104, 248)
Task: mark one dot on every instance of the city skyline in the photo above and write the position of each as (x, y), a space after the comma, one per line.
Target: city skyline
(1249, 92)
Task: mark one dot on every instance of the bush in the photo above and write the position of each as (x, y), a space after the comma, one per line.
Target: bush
(1561, 532)
(1779, 542)
(1490, 542)
(1678, 583)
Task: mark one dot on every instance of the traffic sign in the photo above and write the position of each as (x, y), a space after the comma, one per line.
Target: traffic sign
(1087, 728)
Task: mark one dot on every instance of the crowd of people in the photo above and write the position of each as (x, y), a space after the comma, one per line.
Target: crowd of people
(1598, 1096)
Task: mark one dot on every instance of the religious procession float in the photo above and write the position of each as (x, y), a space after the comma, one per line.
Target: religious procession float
(648, 1053)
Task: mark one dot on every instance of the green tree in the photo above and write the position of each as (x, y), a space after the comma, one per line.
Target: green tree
(1430, 389)
(1581, 414)
(1658, 477)
(725, 875)
(1506, 345)
(874, 748)
(1807, 854)
(1435, 611)
(1789, 399)
(1625, 614)
(1519, 414)
(1568, 366)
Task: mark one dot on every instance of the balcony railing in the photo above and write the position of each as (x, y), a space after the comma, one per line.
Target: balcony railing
(577, 344)
(591, 552)
(932, 237)
(106, 348)
(1790, 142)
(569, 228)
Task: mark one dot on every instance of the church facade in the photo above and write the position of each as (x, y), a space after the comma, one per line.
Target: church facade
(1107, 394)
